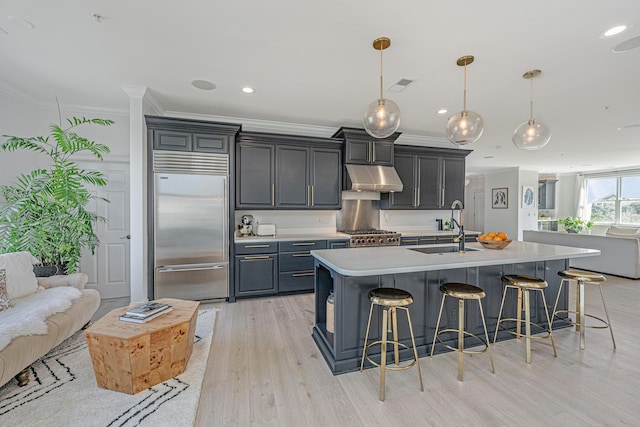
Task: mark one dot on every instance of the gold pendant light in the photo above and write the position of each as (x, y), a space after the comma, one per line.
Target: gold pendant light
(465, 127)
(531, 135)
(382, 117)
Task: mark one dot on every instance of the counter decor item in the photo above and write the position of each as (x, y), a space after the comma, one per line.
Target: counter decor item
(494, 240)
(575, 224)
(492, 244)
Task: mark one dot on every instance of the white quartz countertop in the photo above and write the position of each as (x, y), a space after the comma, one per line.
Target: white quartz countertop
(424, 232)
(401, 259)
(291, 237)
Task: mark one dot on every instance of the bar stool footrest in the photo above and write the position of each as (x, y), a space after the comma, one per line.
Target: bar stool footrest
(390, 364)
(537, 325)
(604, 325)
(482, 341)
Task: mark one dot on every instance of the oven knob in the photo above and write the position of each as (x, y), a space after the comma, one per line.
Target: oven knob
(381, 241)
(370, 241)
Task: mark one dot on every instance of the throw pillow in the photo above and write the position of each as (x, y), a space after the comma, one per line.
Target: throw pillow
(20, 279)
(4, 297)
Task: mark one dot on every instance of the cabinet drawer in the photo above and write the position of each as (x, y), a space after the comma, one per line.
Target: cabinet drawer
(430, 240)
(256, 248)
(338, 244)
(295, 261)
(406, 241)
(302, 245)
(298, 281)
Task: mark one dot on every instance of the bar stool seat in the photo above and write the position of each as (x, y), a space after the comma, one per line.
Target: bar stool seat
(524, 284)
(392, 299)
(583, 278)
(462, 292)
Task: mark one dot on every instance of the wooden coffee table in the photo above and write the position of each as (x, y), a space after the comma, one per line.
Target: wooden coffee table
(131, 357)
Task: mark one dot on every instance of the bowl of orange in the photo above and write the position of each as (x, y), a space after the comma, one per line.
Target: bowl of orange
(494, 240)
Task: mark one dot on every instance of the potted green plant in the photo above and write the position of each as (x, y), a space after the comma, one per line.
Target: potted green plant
(575, 224)
(45, 211)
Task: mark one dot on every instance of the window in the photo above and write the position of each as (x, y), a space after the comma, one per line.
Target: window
(614, 199)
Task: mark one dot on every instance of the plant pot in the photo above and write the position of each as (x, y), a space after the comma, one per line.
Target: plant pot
(572, 231)
(49, 270)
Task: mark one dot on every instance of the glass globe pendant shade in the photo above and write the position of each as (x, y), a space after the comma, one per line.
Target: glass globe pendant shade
(465, 127)
(531, 135)
(382, 118)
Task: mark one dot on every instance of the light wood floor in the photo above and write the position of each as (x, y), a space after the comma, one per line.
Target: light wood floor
(264, 369)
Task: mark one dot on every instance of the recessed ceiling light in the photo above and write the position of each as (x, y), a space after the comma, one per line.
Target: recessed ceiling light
(203, 84)
(22, 22)
(248, 89)
(442, 111)
(614, 31)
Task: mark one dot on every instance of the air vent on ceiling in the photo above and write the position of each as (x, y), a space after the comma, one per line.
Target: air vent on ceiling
(400, 85)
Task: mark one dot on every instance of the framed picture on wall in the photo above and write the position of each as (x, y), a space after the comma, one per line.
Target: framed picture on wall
(499, 198)
(528, 197)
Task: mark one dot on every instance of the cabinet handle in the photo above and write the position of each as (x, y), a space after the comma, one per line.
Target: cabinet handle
(257, 257)
(308, 195)
(313, 196)
(300, 255)
(255, 246)
(273, 194)
(409, 240)
(304, 244)
(418, 193)
(370, 152)
(302, 274)
(442, 197)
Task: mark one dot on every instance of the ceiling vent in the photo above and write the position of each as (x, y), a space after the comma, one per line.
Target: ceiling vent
(400, 85)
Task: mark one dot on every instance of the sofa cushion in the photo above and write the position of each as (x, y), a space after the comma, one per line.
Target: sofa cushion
(4, 296)
(21, 281)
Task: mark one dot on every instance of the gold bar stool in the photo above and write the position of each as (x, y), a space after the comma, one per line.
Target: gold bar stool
(392, 299)
(462, 291)
(583, 278)
(524, 284)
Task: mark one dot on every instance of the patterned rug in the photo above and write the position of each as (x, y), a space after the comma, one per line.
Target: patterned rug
(63, 390)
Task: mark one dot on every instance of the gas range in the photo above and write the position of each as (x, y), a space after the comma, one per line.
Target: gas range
(371, 238)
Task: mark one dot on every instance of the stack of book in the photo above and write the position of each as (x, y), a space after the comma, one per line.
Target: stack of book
(145, 312)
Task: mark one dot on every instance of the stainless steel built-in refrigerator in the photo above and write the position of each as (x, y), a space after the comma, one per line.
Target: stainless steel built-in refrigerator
(191, 211)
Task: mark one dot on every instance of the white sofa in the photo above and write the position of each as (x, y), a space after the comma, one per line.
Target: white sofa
(619, 256)
(43, 312)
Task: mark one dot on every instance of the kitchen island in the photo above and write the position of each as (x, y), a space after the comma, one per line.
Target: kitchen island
(351, 273)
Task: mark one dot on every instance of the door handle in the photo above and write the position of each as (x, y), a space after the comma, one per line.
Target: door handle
(173, 269)
(128, 237)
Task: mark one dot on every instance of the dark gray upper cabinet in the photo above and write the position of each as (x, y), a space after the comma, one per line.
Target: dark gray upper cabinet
(167, 133)
(255, 175)
(297, 173)
(433, 178)
(547, 194)
(361, 148)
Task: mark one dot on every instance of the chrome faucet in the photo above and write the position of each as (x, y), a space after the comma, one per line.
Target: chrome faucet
(457, 204)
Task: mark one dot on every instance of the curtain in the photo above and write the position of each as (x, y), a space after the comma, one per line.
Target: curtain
(583, 209)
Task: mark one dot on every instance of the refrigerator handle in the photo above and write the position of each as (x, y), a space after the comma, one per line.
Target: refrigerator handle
(171, 269)
(225, 223)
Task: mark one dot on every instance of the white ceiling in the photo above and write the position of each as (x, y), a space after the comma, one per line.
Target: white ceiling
(312, 62)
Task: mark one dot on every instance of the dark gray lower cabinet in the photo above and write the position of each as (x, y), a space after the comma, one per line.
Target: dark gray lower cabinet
(268, 268)
(256, 274)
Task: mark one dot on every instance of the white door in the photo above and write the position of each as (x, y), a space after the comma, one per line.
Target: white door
(109, 269)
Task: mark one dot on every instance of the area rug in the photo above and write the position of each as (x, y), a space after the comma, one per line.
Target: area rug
(63, 390)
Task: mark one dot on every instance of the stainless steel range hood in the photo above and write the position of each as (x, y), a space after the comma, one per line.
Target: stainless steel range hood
(382, 179)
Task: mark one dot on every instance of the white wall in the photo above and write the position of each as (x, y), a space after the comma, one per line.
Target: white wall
(566, 196)
(502, 219)
(21, 119)
(527, 217)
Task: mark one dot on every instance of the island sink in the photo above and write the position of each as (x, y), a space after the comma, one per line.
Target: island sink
(442, 249)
